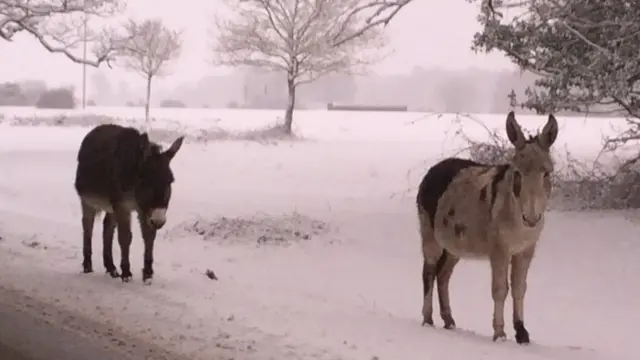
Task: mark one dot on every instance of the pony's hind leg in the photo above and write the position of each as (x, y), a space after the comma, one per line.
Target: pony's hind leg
(431, 251)
(445, 266)
(88, 218)
(108, 230)
(428, 275)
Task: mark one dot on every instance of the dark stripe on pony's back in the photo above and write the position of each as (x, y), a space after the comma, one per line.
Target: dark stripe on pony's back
(501, 172)
(436, 182)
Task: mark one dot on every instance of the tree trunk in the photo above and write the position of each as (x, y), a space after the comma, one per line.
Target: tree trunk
(148, 102)
(291, 104)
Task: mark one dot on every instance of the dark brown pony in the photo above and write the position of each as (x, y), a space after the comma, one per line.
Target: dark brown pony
(120, 171)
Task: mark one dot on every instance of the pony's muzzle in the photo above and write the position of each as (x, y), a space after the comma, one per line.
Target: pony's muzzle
(158, 218)
(531, 222)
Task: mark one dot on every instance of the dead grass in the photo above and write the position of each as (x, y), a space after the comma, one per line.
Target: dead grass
(258, 230)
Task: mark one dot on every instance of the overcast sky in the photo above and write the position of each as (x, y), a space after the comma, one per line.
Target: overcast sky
(425, 33)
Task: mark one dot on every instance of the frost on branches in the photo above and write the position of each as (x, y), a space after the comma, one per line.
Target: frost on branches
(59, 25)
(585, 51)
(585, 54)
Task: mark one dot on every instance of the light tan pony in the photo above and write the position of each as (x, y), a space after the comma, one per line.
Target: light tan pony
(472, 210)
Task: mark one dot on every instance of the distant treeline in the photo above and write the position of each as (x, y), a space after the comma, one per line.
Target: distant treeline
(422, 89)
(36, 93)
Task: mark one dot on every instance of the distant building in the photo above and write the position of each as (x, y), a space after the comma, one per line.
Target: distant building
(357, 107)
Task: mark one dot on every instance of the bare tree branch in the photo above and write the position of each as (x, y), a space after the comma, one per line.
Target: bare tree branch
(583, 51)
(368, 16)
(58, 25)
(379, 13)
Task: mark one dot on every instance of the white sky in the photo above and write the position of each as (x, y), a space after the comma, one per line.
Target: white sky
(425, 33)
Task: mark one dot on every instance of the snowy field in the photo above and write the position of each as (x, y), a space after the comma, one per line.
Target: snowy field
(314, 244)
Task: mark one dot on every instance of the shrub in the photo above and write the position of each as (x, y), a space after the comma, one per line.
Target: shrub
(11, 94)
(56, 99)
(576, 185)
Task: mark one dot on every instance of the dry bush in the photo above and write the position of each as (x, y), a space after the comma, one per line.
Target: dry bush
(576, 185)
(269, 134)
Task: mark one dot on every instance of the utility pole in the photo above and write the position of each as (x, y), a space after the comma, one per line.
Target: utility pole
(84, 57)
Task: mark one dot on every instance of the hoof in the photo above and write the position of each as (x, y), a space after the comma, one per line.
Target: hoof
(113, 273)
(522, 335)
(147, 276)
(499, 336)
(87, 268)
(449, 323)
(427, 321)
(126, 275)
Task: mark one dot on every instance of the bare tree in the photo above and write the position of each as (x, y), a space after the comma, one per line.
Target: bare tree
(58, 25)
(296, 38)
(147, 48)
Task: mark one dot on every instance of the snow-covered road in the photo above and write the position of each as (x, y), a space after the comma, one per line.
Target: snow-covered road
(316, 251)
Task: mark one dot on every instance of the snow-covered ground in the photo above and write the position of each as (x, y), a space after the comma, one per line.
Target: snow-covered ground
(316, 250)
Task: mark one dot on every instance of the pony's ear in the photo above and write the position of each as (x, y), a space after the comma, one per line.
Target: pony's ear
(173, 149)
(549, 133)
(514, 131)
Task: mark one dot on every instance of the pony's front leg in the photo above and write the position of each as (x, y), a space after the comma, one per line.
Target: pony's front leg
(123, 224)
(519, 269)
(149, 237)
(499, 290)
